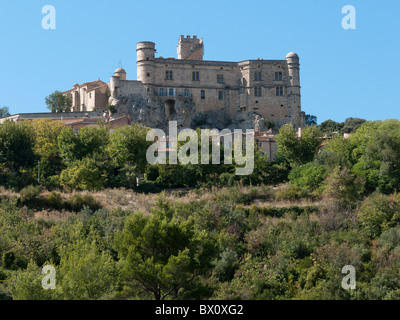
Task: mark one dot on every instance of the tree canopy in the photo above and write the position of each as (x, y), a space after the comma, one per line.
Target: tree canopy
(58, 102)
(298, 150)
(4, 112)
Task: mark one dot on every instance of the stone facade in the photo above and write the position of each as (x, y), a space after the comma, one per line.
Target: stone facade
(88, 96)
(199, 93)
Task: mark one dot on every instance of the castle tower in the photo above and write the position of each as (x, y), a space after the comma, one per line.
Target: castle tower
(294, 98)
(146, 51)
(190, 48)
(120, 73)
(294, 69)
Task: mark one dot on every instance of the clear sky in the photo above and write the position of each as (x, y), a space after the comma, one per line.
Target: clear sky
(344, 73)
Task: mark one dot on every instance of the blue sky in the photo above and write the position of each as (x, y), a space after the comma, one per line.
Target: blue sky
(344, 73)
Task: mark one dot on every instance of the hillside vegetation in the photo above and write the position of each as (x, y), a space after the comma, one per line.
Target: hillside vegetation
(285, 232)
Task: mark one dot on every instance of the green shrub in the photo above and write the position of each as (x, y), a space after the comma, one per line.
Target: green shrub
(310, 176)
(152, 172)
(77, 202)
(379, 213)
(281, 211)
(390, 239)
(84, 175)
(54, 201)
(292, 193)
(29, 195)
(226, 266)
(52, 183)
(227, 179)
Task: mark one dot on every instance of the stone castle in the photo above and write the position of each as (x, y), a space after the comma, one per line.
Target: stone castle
(199, 93)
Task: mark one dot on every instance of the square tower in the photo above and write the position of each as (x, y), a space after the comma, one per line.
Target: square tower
(190, 48)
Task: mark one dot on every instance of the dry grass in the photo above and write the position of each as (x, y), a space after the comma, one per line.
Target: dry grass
(53, 215)
(7, 193)
(129, 200)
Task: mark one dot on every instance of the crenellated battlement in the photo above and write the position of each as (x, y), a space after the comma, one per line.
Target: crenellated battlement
(190, 48)
(189, 38)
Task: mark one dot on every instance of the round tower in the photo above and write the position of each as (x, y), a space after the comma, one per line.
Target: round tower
(146, 51)
(293, 68)
(120, 73)
(113, 86)
(294, 97)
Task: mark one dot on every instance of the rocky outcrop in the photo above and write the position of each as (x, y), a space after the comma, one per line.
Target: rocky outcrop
(158, 111)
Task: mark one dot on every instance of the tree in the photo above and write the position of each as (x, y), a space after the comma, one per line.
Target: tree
(379, 213)
(92, 140)
(265, 171)
(311, 120)
(27, 284)
(89, 141)
(46, 145)
(161, 253)
(58, 102)
(295, 150)
(376, 146)
(351, 125)
(4, 112)
(328, 127)
(343, 189)
(83, 174)
(309, 175)
(16, 146)
(86, 272)
(128, 146)
(69, 145)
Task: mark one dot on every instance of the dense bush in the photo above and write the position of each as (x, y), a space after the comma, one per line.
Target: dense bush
(77, 202)
(83, 175)
(292, 193)
(378, 214)
(310, 176)
(29, 195)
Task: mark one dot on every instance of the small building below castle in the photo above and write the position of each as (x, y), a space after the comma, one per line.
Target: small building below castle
(88, 96)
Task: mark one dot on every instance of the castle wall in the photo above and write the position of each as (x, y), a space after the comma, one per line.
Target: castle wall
(237, 88)
(100, 98)
(129, 87)
(220, 89)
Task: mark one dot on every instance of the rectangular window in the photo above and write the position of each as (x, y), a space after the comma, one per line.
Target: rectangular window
(278, 76)
(196, 76)
(279, 91)
(220, 95)
(220, 78)
(203, 94)
(168, 75)
(161, 92)
(171, 92)
(257, 76)
(186, 93)
(257, 92)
